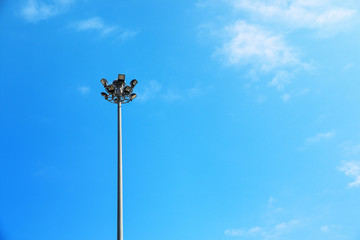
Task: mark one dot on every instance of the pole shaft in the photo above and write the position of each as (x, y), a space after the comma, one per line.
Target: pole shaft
(119, 182)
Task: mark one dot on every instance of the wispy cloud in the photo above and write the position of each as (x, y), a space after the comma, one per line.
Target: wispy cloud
(127, 34)
(155, 90)
(234, 232)
(319, 137)
(311, 14)
(274, 228)
(258, 33)
(285, 97)
(252, 44)
(281, 79)
(350, 149)
(261, 99)
(266, 52)
(292, 94)
(148, 90)
(98, 25)
(84, 90)
(332, 230)
(352, 169)
(35, 10)
(325, 229)
(274, 232)
(95, 23)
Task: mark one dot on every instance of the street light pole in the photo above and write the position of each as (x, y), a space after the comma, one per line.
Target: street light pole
(118, 92)
(119, 181)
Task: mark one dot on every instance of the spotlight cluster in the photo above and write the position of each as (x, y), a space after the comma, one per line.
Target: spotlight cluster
(118, 91)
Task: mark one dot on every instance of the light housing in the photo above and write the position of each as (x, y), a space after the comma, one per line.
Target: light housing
(120, 81)
(133, 82)
(105, 95)
(132, 96)
(127, 90)
(121, 77)
(110, 88)
(104, 82)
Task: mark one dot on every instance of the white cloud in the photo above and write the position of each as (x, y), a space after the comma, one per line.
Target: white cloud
(350, 149)
(273, 232)
(348, 66)
(285, 97)
(154, 90)
(271, 201)
(94, 23)
(261, 99)
(287, 225)
(127, 34)
(311, 14)
(196, 91)
(84, 90)
(98, 25)
(172, 96)
(148, 90)
(281, 79)
(35, 10)
(352, 169)
(319, 137)
(325, 229)
(255, 230)
(234, 232)
(251, 44)
(259, 35)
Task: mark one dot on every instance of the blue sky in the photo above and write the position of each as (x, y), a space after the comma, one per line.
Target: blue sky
(246, 125)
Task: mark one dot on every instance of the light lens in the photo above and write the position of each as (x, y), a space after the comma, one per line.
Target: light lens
(121, 77)
(133, 82)
(132, 96)
(127, 89)
(110, 88)
(104, 82)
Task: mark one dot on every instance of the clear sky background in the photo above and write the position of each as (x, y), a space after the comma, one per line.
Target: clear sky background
(247, 124)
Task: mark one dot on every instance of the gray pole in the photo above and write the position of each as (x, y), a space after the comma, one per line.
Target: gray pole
(120, 186)
(118, 92)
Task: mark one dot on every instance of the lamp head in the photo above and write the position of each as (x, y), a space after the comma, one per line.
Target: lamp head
(110, 89)
(105, 95)
(120, 81)
(132, 96)
(127, 90)
(133, 82)
(121, 77)
(104, 82)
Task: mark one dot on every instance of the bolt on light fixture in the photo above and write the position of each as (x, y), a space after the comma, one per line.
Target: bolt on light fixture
(118, 92)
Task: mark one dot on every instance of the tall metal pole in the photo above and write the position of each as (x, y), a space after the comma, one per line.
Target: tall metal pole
(120, 186)
(118, 92)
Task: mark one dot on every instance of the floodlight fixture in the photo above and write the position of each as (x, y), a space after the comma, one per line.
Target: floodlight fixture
(127, 89)
(132, 96)
(120, 81)
(104, 82)
(133, 82)
(105, 95)
(110, 89)
(121, 77)
(118, 91)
